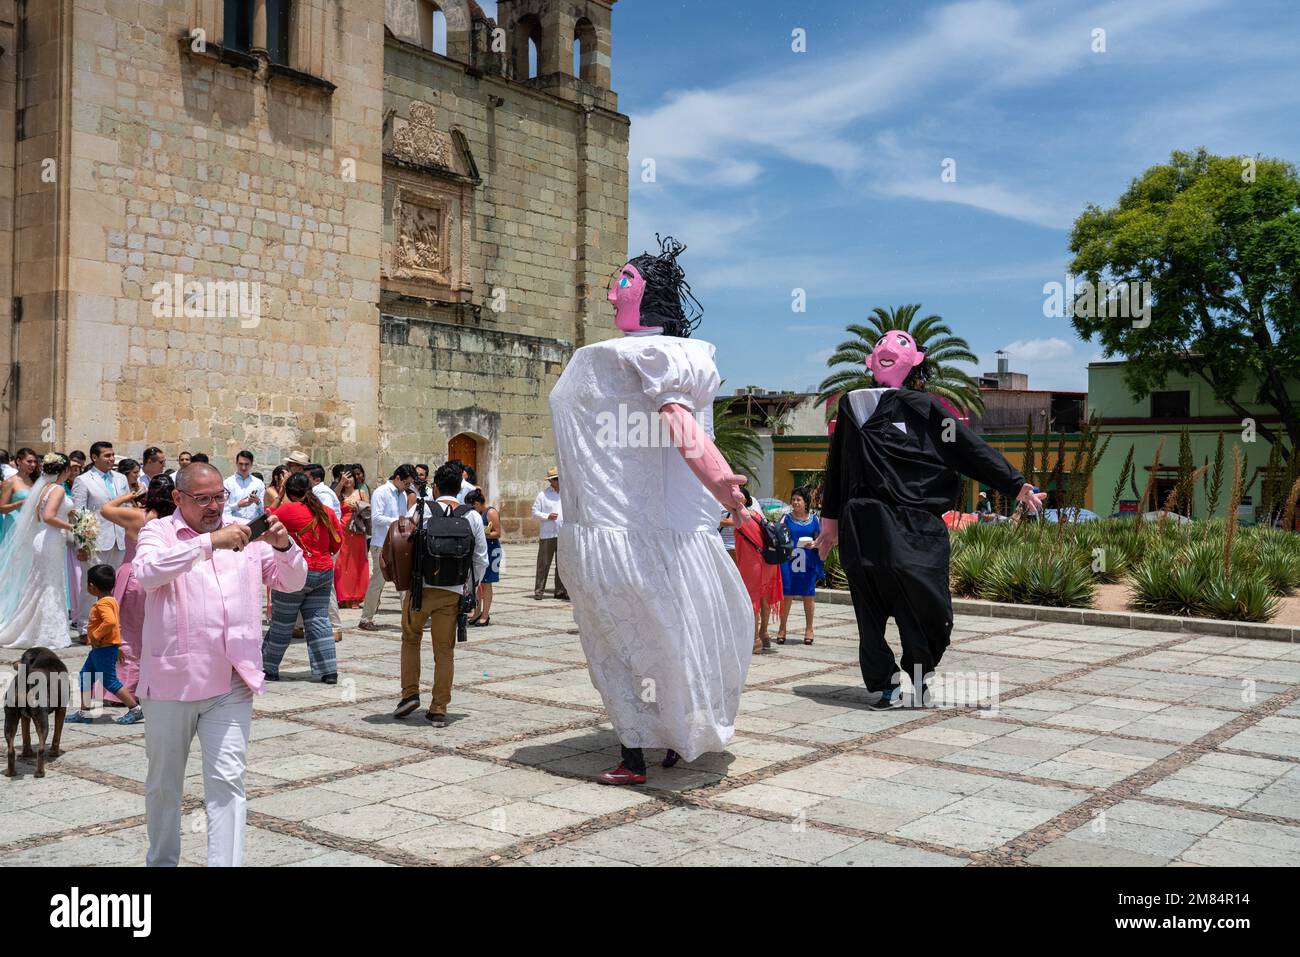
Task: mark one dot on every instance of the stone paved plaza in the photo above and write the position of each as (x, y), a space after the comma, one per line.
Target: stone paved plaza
(1108, 747)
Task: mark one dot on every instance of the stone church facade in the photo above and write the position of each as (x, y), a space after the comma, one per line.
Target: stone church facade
(294, 224)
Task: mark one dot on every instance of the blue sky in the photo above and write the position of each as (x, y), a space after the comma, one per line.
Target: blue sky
(821, 170)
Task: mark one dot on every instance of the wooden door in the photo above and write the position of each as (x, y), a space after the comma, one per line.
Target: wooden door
(464, 447)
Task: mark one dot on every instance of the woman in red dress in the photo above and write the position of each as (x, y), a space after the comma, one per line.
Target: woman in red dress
(352, 564)
(762, 581)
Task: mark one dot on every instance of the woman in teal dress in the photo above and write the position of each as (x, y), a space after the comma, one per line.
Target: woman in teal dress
(16, 489)
(799, 575)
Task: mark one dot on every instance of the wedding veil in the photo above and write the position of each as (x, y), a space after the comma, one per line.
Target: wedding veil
(17, 554)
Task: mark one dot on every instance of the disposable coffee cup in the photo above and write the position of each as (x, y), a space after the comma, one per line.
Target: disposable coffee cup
(806, 542)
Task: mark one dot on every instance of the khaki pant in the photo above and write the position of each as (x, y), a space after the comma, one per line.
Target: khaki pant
(546, 555)
(440, 609)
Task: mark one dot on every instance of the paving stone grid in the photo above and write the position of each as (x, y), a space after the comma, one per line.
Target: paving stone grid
(1107, 747)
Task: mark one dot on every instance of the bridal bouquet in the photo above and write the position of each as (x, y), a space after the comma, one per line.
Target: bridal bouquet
(85, 529)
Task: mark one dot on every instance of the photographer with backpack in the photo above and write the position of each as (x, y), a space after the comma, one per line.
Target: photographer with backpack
(451, 557)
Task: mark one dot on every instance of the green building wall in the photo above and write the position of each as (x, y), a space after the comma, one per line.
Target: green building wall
(1130, 421)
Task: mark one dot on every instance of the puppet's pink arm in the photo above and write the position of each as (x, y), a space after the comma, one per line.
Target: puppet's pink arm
(704, 459)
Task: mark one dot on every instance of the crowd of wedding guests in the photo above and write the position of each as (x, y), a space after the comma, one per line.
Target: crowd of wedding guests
(331, 513)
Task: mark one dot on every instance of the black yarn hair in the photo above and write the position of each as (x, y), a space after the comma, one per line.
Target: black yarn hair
(667, 301)
(920, 375)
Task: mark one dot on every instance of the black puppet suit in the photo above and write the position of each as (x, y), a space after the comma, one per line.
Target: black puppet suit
(891, 472)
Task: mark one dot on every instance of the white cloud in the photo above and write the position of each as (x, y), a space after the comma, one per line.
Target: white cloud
(811, 112)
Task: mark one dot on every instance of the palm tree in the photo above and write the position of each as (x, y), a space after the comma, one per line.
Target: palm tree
(735, 437)
(933, 337)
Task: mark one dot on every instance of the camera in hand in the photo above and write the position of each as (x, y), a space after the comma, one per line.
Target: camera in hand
(462, 618)
(258, 526)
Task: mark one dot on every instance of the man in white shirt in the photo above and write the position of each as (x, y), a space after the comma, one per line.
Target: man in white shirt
(440, 608)
(387, 504)
(546, 509)
(93, 489)
(153, 463)
(323, 491)
(466, 481)
(246, 490)
(7, 471)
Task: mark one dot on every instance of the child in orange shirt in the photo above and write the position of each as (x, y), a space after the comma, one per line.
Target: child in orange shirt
(105, 649)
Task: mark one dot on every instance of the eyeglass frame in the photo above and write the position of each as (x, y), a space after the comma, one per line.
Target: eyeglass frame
(225, 497)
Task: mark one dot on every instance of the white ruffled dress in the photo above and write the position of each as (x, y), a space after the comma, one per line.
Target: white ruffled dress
(662, 614)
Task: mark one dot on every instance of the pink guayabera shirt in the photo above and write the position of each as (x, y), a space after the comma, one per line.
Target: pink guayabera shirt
(203, 609)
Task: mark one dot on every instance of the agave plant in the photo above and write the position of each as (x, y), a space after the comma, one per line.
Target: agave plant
(1278, 566)
(1237, 597)
(835, 577)
(1037, 577)
(970, 565)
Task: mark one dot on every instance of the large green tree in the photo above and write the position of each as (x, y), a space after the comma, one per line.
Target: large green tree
(932, 336)
(1218, 239)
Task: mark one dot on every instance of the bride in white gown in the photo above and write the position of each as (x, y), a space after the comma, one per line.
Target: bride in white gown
(33, 563)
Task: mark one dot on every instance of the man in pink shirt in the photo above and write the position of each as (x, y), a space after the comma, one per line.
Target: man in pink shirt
(201, 661)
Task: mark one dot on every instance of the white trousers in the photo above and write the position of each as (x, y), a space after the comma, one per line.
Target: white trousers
(222, 724)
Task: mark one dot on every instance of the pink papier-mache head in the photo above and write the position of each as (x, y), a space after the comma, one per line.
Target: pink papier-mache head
(894, 357)
(650, 293)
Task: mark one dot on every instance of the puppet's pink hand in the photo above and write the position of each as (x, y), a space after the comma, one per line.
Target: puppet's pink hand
(828, 537)
(1033, 501)
(731, 495)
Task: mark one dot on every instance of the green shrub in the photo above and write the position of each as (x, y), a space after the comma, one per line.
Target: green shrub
(970, 565)
(1279, 567)
(835, 577)
(1036, 577)
(1236, 597)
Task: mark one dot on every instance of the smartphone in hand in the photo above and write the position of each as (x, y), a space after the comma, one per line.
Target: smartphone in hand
(258, 526)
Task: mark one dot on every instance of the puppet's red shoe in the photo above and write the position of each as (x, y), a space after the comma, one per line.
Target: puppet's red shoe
(621, 775)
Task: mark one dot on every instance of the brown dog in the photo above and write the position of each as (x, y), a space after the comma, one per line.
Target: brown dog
(41, 686)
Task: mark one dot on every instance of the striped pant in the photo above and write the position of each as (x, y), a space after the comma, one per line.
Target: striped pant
(313, 601)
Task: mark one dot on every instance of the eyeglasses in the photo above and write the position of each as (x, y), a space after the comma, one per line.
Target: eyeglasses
(204, 501)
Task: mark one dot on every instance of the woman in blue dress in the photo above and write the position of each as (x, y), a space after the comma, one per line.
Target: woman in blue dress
(16, 488)
(799, 575)
(492, 532)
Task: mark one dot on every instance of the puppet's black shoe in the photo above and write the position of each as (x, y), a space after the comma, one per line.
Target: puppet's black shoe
(889, 699)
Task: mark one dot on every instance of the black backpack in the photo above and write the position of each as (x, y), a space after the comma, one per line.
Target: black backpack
(778, 546)
(448, 557)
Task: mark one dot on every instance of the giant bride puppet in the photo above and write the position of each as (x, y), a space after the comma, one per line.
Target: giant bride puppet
(891, 472)
(662, 614)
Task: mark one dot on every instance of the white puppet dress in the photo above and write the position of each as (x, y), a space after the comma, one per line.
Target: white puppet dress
(662, 614)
